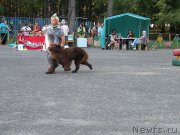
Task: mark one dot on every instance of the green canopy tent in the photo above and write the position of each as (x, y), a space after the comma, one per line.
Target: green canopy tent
(124, 22)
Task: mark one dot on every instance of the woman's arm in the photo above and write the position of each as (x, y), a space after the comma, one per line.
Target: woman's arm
(62, 40)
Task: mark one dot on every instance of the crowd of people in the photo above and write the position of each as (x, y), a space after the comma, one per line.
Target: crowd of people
(57, 34)
(113, 41)
(29, 29)
(95, 30)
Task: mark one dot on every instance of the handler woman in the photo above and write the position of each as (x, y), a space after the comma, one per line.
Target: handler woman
(53, 35)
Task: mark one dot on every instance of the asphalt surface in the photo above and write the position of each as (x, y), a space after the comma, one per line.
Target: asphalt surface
(126, 93)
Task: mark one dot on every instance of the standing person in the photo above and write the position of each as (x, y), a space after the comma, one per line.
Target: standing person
(31, 25)
(54, 36)
(44, 28)
(144, 41)
(11, 26)
(65, 29)
(100, 28)
(94, 31)
(4, 32)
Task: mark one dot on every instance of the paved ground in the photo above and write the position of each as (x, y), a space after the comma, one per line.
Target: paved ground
(127, 93)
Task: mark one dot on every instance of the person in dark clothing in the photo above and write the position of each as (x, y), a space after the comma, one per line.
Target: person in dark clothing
(129, 41)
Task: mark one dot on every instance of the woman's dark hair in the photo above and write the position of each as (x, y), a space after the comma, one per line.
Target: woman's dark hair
(129, 31)
(114, 31)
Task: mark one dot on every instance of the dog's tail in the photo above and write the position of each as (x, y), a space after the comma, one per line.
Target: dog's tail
(85, 58)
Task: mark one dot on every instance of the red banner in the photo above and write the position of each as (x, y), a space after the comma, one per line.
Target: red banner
(31, 42)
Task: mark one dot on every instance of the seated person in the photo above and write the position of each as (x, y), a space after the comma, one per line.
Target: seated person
(144, 41)
(113, 42)
(135, 44)
(130, 34)
(36, 28)
(81, 30)
(20, 38)
(26, 30)
(129, 41)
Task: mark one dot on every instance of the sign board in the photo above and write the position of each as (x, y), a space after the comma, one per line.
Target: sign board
(81, 42)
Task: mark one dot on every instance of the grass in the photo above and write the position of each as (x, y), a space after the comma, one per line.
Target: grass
(174, 45)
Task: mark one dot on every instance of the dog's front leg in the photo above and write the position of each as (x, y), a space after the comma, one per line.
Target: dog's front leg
(77, 65)
(60, 60)
(67, 65)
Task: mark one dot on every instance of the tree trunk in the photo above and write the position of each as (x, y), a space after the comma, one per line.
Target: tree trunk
(71, 15)
(109, 8)
(49, 9)
(58, 7)
(62, 9)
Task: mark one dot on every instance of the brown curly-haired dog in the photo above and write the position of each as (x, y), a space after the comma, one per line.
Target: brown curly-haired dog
(66, 56)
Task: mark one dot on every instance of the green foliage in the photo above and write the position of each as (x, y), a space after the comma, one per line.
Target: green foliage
(160, 11)
(1, 8)
(169, 14)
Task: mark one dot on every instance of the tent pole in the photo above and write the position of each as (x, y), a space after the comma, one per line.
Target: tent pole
(140, 29)
(108, 25)
(148, 30)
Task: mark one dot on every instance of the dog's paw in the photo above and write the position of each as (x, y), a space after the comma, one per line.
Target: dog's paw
(90, 66)
(67, 69)
(74, 71)
(49, 72)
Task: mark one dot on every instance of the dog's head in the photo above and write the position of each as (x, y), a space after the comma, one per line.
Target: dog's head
(54, 49)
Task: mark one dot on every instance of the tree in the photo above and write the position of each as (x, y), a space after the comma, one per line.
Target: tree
(169, 14)
(109, 7)
(71, 15)
(162, 11)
